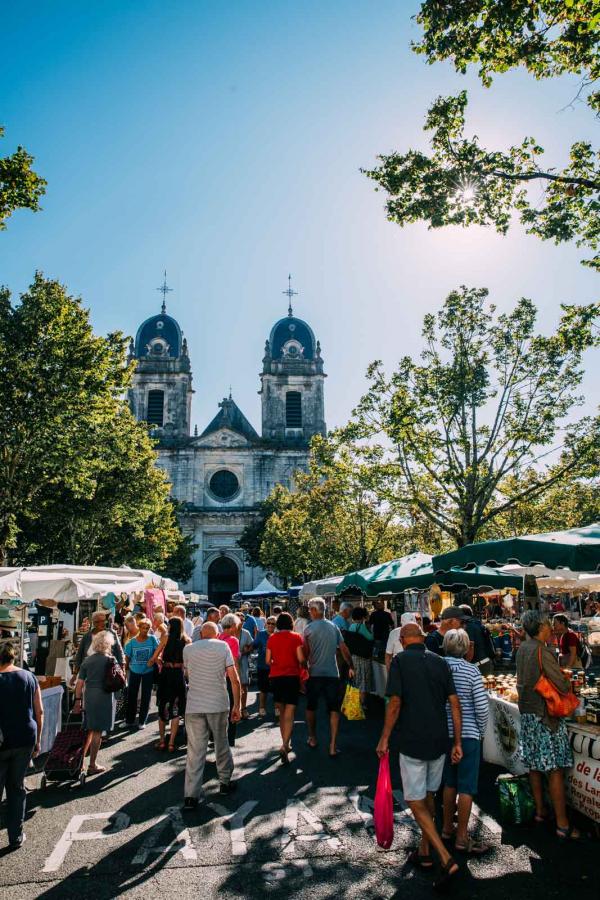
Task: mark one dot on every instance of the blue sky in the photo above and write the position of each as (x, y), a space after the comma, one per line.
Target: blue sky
(223, 142)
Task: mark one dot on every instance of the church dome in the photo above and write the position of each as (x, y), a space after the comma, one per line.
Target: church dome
(291, 337)
(159, 336)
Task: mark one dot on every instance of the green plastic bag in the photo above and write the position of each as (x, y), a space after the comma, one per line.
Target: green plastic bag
(516, 800)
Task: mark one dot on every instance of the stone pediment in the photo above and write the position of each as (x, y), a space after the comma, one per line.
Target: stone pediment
(223, 437)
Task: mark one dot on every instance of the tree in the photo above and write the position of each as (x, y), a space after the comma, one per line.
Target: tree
(20, 187)
(78, 475)
(489, 400)
(462, 183)
(252, 536)
(337, 519)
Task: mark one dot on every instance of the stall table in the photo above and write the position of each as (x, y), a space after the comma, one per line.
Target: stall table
(52, 700)
(501, 747)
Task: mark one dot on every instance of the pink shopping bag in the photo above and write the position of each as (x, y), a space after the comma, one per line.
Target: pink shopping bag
(383, 813)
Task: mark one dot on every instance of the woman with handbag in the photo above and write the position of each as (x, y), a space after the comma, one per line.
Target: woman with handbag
(544, 699)
(99, 705)
(361, 648)
(171, 689)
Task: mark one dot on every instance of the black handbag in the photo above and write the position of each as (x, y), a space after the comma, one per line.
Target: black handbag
(114, 676)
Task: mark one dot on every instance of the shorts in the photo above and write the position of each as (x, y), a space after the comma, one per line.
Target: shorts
(286, 689)
(263, 681)
(323, 686)
(465, 776)
(420, 776)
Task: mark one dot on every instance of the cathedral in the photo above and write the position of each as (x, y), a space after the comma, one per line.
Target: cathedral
(221, 475)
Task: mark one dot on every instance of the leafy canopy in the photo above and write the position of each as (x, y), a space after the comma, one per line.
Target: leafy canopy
(462, 183)
(78, 475)
(20, 187)
(490, 399)
(547, 37)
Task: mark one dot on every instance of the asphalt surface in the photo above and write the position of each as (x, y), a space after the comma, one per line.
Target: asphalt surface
(299, 831)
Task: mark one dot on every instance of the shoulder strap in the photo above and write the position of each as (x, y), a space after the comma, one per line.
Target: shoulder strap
(540, 659)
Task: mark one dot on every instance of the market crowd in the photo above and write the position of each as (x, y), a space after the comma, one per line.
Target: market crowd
(200, 673)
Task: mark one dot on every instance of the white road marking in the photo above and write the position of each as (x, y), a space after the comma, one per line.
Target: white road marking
(236, 825)
(118, 822)
(294, 810)
(274, 872)
(182, 840)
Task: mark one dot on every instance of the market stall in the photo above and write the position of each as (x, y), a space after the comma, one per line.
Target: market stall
(501, 747)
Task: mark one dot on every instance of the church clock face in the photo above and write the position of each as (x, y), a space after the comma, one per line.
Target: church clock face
(224, 485)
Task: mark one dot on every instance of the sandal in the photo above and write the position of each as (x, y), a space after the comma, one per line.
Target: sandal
(171, 748)
(473, 848)
(568, 834)
(161, 745)
(312, 743)
(96, 770)
(446, 875)
(422, 861)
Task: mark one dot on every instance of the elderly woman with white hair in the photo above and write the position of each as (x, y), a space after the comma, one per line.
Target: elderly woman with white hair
(99, 705)
(461, 780)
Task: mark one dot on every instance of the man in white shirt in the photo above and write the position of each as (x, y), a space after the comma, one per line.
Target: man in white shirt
(208, 664)
(394, 645)
(188, 625)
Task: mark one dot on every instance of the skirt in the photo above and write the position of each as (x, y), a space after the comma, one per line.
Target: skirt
(363, 674)
(541, 749)
(171, 694)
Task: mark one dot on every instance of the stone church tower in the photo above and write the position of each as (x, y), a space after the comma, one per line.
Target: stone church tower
(222, 475)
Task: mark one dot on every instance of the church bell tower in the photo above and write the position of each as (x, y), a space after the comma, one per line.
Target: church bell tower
(161, 387)
(292, 382)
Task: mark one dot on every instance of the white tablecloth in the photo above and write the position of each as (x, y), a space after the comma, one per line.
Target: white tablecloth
(501, 746)
(52, 700)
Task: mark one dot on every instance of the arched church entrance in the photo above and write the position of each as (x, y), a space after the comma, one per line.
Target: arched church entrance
(223, 580)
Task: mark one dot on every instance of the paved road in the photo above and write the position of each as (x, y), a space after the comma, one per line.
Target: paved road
(300, 831)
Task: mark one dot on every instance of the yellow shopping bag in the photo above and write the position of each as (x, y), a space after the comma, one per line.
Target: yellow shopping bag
(352, 707)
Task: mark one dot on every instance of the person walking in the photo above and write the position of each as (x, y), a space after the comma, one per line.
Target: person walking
(212, 615)
(85, 644)
(188, 626)
(171, 689)
(285, 656)
(321, 640)
(209, 666)
(344, 617)
(231, 625)
(99, 706)
(138, 654)
(419, 686)
(302, 619)
(461, 780)
(394, 644)
(262, 667)
(545, 748)
(21, 723)
(246, 643)
(360, 640)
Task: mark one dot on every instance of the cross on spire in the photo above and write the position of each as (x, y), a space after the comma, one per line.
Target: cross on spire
(164, 290)
(289, 294)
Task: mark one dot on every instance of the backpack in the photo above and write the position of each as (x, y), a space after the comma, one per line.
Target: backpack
(114, 677)
(583, 653)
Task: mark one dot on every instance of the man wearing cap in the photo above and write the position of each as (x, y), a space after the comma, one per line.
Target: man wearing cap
(452, 617)
(483, 652)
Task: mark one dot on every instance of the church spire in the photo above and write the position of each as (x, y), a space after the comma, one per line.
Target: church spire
(164, 290)
(289, 294)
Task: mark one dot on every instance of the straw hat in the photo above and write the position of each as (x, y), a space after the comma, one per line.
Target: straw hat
(10, 620)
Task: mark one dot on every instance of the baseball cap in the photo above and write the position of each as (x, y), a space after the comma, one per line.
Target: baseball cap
(453, 612)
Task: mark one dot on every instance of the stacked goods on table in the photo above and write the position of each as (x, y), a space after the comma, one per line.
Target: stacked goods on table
(504, 686)
(48, 681)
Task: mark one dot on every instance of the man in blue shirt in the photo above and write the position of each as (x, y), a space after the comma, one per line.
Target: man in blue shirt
(342, 619)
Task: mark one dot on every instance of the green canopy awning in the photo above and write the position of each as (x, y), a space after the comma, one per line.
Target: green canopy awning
(577, 549)
(416, 572)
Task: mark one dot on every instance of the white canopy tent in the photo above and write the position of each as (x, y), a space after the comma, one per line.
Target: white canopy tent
(323, 587)
(69, 584)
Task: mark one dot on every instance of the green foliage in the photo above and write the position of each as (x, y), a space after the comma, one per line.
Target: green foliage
(78, 475)
(547, 37)
(339, 517)
(462, 183)
(251, 537)
(488, 401)
(20, 187)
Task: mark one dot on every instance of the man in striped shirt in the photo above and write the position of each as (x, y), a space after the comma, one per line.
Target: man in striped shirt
(208, 663)
(460, 781)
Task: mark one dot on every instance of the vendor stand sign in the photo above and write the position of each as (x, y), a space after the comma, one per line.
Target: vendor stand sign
(501, 740)
(583, 780)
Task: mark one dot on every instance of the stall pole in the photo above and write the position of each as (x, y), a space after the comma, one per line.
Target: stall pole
(23, 617)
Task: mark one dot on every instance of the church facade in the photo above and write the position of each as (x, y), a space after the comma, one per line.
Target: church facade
(221, 475)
